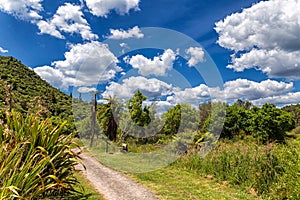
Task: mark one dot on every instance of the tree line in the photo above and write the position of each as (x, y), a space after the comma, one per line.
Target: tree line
(120, 122)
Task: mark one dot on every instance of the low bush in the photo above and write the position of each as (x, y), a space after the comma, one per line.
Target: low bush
(36, 161)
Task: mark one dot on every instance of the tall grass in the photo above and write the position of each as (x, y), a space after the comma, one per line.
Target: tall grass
(272, 171)
(36, 161)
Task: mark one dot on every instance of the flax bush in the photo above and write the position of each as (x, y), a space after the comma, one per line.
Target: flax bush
(36, 161)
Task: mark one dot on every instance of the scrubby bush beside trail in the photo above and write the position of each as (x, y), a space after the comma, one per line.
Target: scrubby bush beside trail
(272, 171)
(36, 160)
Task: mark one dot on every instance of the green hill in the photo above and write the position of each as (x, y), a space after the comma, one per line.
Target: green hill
(23, 90)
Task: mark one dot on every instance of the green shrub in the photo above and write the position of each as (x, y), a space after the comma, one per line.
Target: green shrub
(269, 123)
(36, 161)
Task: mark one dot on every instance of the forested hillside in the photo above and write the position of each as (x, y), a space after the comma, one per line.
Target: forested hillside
(22, 89)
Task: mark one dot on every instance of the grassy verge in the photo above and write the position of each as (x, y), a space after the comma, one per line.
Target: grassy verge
(89, 193)
(271, 171)
(174, 183)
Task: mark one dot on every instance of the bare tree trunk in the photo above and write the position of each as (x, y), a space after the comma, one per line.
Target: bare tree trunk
(93, 120)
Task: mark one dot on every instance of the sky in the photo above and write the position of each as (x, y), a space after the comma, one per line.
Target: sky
(185, 51)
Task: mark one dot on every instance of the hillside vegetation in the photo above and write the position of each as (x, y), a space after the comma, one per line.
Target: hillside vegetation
(22, 89)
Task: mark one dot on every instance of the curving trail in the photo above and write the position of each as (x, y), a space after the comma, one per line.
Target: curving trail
(112, 184)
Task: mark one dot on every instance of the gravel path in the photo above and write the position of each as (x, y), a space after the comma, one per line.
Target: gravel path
(112, 184)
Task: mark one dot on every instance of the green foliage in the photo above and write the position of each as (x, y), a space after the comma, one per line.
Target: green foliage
(134, 120)
(237, 120)
(204, 113)
(178, 182)
(272, 171)
(130, 132)
(22, 89)
(107, 115)
(270, 123)
(266, 124)
(88, 190)
(215, 122)
(36, 160)
(140, 115)
(173, 120)
(180, 118)
(189, 118)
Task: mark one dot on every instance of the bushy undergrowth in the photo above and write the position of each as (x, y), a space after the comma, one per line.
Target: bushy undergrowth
(36, 161)
(272, 171)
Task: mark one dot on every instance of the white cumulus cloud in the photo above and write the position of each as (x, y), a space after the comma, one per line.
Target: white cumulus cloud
(233, 90)
(23, 9)
(156, 66)
(194, 96)
(195, 55)
(49, 28)
(84, 65)
(134, 32)
(3, 50)
(251, 90)
(284, 99)
(68, 19)
(102, 8)
(51, 75)
(150, 87)
(265, 37)
(86, 89)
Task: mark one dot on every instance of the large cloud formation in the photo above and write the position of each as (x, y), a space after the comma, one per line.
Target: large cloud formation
(128, 87)
(251, 90)
(265, 37)
(84, 65)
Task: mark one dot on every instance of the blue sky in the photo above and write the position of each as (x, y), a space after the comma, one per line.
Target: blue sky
(200, 49)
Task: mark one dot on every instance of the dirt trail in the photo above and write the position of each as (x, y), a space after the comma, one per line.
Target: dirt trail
(112, 184)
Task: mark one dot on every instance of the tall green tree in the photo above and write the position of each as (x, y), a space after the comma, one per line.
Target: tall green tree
(215, 122)
(107, 116)
(237, 120)
(139, 114)
(172, 120)
(204, 113)
(181, 118)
